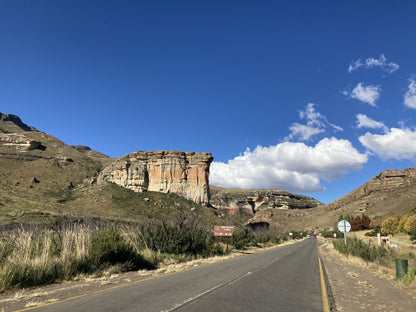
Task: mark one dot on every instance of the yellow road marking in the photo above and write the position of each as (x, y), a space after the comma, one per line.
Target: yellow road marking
(323, 286)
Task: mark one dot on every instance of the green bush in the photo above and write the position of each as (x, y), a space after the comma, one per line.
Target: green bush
(242, 237)
(176, 239)
(358, 248)
(109, 248)
(217, 250)
(327, 233)
(372, 233)
(412, 234)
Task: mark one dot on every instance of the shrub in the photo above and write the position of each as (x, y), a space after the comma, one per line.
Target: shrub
(330, 233)
(176, 239)
(358, 248)
(412, 234)
(109, 248)
(242, 237)
(217, 250)
(372, 233)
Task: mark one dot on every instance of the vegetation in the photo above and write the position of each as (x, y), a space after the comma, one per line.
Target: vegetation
(376, 254)
(34, 255)
(399, 224)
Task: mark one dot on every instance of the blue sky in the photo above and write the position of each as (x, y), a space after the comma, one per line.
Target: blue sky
(313, 97)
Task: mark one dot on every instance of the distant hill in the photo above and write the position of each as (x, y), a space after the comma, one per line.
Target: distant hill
(390, 193)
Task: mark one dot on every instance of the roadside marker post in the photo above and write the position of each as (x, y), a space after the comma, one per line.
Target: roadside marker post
(222, 230)
(344, 227)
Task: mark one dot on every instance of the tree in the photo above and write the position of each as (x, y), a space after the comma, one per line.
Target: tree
(402, 224)
(346, 216)
(360, 223)
(410, 224)
(390, 226)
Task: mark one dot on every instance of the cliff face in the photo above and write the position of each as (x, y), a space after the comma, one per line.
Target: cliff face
(183, 173)
(253, 201)
(384, 182)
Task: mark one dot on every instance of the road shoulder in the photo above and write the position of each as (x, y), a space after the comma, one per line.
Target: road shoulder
(358, 288)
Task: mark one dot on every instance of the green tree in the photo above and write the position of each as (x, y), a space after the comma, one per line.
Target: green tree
(402, 223)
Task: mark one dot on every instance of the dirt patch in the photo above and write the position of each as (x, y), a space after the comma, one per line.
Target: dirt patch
(358, 286)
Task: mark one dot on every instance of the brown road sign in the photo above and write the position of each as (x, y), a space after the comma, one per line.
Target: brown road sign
(221, 230)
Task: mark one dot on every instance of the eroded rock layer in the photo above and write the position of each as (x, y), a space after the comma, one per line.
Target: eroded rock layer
(384, 182)
(183, 173)
(232, 201)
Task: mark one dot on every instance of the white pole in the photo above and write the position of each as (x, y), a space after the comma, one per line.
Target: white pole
(345, 230)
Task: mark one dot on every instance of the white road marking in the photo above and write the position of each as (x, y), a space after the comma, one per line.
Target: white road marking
(204, 293)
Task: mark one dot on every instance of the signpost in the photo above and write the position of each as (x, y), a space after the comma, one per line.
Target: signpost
(221, 230)
(344, 227)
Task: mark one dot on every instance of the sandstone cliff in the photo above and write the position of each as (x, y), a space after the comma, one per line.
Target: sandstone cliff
(17, 142)
(252, 201)
(386, 181)
(183, 173)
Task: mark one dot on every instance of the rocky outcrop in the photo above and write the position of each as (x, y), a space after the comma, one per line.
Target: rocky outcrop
(17, 142)
(15, 121)
(183, 173)
(232, 201)
(88, 151)
(384, 182)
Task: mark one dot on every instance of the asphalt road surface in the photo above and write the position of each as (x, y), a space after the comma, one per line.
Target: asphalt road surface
(280, 279)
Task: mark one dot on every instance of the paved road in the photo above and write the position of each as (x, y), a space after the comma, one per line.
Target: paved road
(281, 279)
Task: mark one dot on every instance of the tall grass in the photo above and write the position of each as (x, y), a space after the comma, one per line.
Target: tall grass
(35, 255)
(39, 256)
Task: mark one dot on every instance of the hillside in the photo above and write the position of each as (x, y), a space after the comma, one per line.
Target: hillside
(45, 180)
(390, 193)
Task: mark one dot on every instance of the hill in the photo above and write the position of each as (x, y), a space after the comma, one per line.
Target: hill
(390, 193)
(44, 180)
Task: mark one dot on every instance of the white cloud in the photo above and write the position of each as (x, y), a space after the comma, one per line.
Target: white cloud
(303, 132)
(366, 94)
(315, 123)
(363, 121)
(410, 95)
(355, 65)
(395, 144)
(381, 62)
(294, 167)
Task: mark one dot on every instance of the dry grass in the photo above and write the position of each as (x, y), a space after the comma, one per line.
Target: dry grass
(387, 272)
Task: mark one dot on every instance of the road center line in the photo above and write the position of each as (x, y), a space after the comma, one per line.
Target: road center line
(176, 306)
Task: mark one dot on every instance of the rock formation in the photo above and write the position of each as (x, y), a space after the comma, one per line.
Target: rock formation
(15, 122)
(232, 201)
(183, 173)
(18, 142)
(88, 151)
(386, 181)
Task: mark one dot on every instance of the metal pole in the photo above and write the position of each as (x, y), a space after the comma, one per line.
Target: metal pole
(345, 230)
(227, 245)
